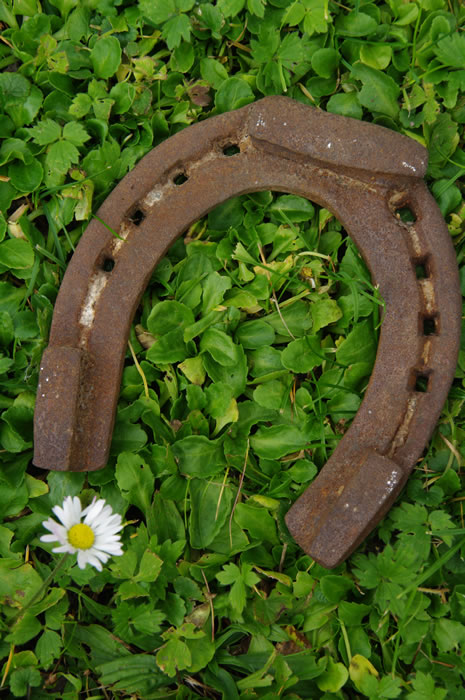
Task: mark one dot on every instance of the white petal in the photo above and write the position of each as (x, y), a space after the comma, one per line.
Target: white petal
(82, 558)
(117, 517)
(70, 513)
(100, 555)
(49, 538)
(103, 537)
(65, 548)
(49, 524)
(59, 533)
(115, 521)
(77, 509)
(105, 516)
(110, 547)
(107, 544)
(111, 528)
(93, 512)
(113, 549)
(93, 561)
(65, 515)
(106, 522)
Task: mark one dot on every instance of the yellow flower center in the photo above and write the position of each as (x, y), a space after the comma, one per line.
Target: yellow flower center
(81, 536)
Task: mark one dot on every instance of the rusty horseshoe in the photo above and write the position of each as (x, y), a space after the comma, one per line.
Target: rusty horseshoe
(363, 174)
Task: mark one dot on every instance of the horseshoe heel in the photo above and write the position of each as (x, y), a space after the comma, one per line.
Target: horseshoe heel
(363, 174)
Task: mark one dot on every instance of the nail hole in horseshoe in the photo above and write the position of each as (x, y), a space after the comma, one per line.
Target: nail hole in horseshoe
(421, 268)
(406, 215)
(231, 149)
(420, 381)
(180, 179)
(430, 325)
(108, 264)
(137, 216)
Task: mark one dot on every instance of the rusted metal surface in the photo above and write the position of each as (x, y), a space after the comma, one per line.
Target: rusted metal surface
(363, 174)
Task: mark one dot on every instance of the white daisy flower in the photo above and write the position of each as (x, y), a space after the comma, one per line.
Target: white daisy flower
(95, 539)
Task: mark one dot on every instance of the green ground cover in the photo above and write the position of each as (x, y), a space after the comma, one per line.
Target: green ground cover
(256, 339)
